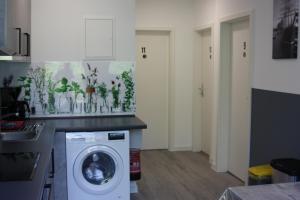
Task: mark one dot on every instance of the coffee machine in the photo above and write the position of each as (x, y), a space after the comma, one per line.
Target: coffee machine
(11, 107)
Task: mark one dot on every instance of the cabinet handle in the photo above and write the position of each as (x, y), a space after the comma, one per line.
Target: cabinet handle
(28, 43)
(20, 40)
(201, 90)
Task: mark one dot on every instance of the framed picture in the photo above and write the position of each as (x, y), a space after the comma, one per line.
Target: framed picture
(285, 29)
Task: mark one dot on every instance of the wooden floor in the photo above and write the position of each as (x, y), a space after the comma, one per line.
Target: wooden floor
(180, 176)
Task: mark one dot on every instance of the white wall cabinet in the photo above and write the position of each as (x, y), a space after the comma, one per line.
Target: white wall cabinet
(15, 23)
(99, 38)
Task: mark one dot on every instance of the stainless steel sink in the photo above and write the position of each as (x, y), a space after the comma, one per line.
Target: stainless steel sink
(30, 132)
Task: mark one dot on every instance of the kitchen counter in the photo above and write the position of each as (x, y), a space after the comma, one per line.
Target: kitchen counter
(285, 191)
(32, 190)
(96, 124)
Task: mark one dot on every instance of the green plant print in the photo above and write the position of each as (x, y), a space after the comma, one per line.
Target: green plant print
(115, 90)
(64, 86)
(76, 89)
(26, 85)
(51, 94)
(91, 76)
(38, 75)
(63, 89)
(51, 103)
(129, 89)
(102, 90)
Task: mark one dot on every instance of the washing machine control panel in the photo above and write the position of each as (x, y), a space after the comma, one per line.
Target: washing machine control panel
(116, 136)
(94, 137)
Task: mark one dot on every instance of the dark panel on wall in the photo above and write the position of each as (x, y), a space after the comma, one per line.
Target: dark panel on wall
(275, 127)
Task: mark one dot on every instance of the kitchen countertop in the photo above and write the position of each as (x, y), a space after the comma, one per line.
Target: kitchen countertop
(32, 190)
(284, 191)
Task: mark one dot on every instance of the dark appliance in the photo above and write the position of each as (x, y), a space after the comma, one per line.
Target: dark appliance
(11, 108)
(19, 166)
(285, 170)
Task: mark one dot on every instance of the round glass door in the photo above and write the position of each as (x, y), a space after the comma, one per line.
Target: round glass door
(98, 169)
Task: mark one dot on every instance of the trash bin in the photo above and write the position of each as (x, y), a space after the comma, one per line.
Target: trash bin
(285, 170)
(260, 175)
(135, 164)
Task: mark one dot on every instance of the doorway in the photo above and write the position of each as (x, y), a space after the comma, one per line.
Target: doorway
(152, 86)
(206, 89)
(235, 95)
(240, 97)
(203, 92)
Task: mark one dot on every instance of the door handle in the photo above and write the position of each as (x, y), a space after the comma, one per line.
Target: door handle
(201, 90)
(20, 40)
(28, 41)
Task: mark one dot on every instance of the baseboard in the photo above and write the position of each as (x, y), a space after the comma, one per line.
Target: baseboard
(213, 167)
(180, 149)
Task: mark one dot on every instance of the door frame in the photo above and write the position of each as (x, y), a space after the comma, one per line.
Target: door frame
(170, 82)
(224, 86)
(197, 80)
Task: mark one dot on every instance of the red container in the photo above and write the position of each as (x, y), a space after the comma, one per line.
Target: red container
(135, 164)
(11, 125)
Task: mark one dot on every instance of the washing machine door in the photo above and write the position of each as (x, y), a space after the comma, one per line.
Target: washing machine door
(98, 169)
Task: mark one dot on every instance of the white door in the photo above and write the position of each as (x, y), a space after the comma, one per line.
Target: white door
(239, 141)
(152, 86)
(206, 90)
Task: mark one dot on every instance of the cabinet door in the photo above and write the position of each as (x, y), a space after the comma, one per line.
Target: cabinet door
(2, 22)
(12, 34)
(22, 21)
(99, 38)
(18, 17)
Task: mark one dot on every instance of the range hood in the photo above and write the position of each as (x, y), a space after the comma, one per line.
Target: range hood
(8, 55)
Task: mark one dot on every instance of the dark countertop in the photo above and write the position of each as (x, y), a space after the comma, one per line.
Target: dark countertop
(97, 124)
(32, 190)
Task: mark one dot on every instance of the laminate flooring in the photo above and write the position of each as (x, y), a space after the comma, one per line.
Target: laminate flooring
(180, 176)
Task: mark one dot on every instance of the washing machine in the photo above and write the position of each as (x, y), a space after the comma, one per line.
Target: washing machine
(98, 165)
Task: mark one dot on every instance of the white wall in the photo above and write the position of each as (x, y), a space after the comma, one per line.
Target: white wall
(58, 27)
(205, 12)
(178, 15)
(269, 74)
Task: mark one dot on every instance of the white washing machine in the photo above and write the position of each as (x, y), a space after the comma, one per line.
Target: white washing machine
(98, 165)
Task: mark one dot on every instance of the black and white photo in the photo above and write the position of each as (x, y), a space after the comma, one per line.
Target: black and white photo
(285, 29)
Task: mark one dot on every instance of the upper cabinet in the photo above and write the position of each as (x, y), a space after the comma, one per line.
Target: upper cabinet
(15, 23)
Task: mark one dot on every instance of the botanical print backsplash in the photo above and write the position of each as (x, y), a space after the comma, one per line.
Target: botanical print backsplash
(79, 88)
